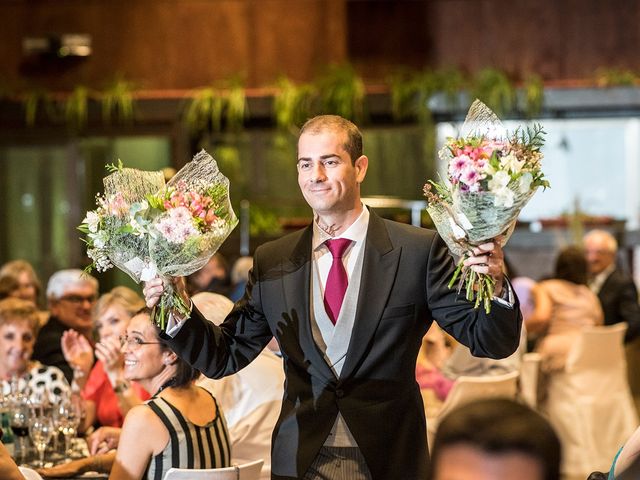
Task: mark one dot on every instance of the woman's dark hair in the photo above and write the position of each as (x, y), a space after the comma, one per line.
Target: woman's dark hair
(185, 373)
(571, 266)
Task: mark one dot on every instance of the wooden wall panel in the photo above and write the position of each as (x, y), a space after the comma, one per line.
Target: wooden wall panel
(182, 44)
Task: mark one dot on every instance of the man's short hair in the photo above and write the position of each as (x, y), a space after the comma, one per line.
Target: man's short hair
(63, 280)
(337, 124)
(499, 426)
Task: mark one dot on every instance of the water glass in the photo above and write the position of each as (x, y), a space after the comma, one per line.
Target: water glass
(41, 430)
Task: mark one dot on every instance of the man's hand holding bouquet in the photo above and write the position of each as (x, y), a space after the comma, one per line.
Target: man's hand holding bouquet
(149, 229)
(491, 175)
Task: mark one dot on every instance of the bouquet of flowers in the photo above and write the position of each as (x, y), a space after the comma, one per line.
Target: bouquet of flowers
(491, 175)
(147, 228)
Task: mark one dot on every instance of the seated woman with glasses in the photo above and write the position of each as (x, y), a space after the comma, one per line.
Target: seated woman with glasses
(180, 426)
(19, 326)
(107, 395)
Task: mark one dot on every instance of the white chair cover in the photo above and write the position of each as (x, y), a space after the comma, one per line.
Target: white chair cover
(30, 474)
(530, 379)
(246, 471)
(468, 389)
(589, 403)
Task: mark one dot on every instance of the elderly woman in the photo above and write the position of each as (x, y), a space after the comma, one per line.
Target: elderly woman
(18, 279)
(18, 331)
(108, 396)
(180, 426)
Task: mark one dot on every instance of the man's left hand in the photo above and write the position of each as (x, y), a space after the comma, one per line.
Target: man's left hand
(488, 258)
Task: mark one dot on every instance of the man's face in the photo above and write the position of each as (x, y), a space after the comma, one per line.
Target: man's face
(598, 255)
(73, 309)
(465, 462)
(329, 181)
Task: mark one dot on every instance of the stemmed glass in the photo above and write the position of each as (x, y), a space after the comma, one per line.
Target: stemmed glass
(19, 423)
(68, 420)
(41, 430)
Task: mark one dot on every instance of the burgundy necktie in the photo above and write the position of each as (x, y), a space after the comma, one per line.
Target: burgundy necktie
(337, 280)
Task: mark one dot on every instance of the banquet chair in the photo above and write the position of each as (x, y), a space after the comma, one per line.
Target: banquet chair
(468, 389)
(529, 384)
(29, 473)
(246, 471)
(589, 402)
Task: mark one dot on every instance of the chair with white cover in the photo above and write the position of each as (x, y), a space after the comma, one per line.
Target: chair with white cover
(468, 389)
(530, 379)
(246, 471)
(589, 402)
(30, 474)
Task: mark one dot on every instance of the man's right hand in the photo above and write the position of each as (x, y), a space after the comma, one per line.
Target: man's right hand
(153, 290)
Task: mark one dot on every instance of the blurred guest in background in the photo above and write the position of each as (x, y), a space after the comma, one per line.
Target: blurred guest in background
(563, 306)
(213, 277)
(108, 396)
(180, 426)
(615, 289)
(432, 355)
(250, 399)
(495, 439)
(19, 279)
(18, 329)
(71, 295)
(8, 468)
(239, 277)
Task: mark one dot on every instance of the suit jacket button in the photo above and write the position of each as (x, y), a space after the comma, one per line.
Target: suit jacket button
(339, 393)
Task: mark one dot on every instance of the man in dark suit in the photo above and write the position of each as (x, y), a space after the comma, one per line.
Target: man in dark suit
(615, 289)
(352, 407)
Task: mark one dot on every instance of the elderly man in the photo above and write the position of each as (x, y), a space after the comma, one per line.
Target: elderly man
(71, 295)
(615, 289)
(348, 299)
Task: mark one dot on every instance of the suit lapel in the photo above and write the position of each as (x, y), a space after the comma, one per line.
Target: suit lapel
(296, 278)
(378, 275)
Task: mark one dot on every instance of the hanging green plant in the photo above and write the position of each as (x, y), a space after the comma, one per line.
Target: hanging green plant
(403, 89)
(263, 222)
(33, 102)
(534, 95)
(292, 103)
(494, 88)
(615, 77)
(205, 110)
(117, 102)
(341, 92)
(236, 106)
(76, 108)
(451, 81)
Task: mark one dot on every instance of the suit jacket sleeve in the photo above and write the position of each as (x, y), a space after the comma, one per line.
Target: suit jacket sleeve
(493, 335)
(629, 310)
(222, 350)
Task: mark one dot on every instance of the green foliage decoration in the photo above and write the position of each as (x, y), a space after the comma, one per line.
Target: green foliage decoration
(342, 92)
(534, 95)
(493, 87)
(615, 77)
(76, 108)
(117, 101)
(292, 103)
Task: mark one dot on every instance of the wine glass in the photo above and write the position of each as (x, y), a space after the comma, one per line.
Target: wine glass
(68, 418)
(41, 430)
(19, 423)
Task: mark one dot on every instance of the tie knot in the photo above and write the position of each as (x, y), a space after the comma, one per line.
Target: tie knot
(337, 246)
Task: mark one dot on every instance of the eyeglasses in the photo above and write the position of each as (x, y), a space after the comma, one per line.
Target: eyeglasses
(78, 299)
(134, 342)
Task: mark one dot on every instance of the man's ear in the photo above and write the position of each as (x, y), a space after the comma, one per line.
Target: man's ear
(361, 165)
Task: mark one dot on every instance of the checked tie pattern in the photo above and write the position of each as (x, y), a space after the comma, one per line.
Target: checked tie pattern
(337, 280)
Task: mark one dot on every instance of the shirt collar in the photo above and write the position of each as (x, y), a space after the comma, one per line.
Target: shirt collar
(357, 231)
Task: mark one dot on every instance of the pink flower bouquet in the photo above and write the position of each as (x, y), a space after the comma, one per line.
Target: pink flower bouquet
(491, 175)
(149, 229)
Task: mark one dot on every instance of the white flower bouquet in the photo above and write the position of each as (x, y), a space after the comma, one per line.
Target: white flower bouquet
(147, 228)
(491, 175)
